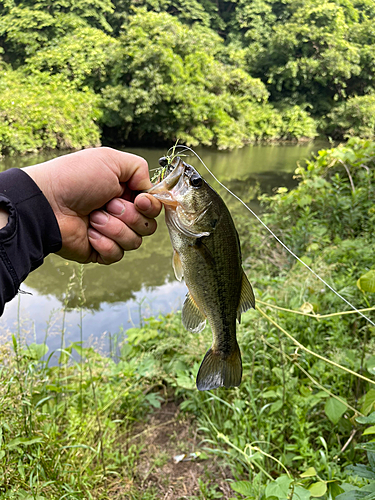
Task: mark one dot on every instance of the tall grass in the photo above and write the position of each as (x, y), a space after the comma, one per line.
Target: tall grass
(62, 426)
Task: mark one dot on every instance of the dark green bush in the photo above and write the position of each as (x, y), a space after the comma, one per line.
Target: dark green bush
(354, 117)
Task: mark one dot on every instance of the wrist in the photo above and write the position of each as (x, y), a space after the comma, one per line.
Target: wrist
(41, 178)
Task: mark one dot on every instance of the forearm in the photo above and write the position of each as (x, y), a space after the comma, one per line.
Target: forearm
(28, 231)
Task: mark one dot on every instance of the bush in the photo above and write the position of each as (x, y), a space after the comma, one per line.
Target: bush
(355, 117)
(43, 112)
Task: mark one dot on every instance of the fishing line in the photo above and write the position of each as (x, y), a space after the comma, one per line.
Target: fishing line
(277, 238)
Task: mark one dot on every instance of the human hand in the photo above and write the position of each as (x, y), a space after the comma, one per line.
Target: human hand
(79, 185)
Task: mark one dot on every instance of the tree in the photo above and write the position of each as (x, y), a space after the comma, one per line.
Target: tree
(311, 52)
(82, 57)
(168, 82)
(26, 26)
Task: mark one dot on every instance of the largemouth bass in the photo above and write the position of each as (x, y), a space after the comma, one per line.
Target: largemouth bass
(206, 252)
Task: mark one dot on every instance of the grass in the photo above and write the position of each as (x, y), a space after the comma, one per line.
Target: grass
(300, 425)
(96, 428)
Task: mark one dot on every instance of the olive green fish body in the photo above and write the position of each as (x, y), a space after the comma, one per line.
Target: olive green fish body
(207, 254)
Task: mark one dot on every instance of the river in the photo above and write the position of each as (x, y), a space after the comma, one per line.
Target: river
(120, 296)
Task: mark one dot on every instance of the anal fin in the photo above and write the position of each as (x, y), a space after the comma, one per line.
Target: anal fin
(247, 298)
(192, 318)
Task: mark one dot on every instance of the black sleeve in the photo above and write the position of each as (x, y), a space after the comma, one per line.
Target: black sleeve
(31, 234)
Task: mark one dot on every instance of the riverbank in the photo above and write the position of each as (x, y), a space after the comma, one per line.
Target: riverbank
(93, 426)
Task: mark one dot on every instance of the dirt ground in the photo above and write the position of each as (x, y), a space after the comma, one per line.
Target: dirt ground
(157, 445)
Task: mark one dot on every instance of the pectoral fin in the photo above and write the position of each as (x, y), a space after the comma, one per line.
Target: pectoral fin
(177, 266)
(192, 318)
(247, 299)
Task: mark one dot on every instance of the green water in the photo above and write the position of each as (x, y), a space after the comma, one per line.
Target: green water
(143, 283)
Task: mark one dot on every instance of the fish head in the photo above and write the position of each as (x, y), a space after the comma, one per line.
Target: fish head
(184, 191)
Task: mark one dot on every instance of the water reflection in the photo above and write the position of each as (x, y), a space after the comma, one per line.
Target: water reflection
(142, 284)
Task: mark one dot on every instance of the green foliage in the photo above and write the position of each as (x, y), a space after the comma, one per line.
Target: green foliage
(187, 92)
(220, 73)
(332, 203)
(164, 75)
(366, 472)
(43, 113)
(291, 430)
(82, 56)
(311, 52)
(26, 26)
(354, 117)
(60, 425)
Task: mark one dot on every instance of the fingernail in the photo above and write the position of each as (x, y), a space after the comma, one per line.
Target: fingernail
(143, 203)
(100, 218)
(116, 207)
(93, 234)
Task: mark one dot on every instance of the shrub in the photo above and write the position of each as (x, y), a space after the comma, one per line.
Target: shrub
(42, 112)
(355, 117)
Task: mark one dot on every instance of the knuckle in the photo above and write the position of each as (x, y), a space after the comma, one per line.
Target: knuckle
(133, 218)
(118, 231)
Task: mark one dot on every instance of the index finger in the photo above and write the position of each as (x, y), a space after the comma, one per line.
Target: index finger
(132, 169)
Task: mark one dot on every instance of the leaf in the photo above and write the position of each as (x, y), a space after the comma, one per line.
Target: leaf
(362, 471)
(279, 488)
(35, 351)
(334, 409)
(270, 394)
(14, 342)
(354, 494)
(366, 283)
(369, 446)
(310, 472)
(77, 346)
(369, 430)
(185, 380)
(318, 489)
(301, 493)
(242, 487)
(154, 399)
(335, 490)
(367, 407)
(14, 443)
(276, 406)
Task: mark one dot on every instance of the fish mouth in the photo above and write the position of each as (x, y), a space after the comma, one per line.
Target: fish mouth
(161, 191)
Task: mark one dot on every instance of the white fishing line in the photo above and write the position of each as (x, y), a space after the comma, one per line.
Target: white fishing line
(277, 238)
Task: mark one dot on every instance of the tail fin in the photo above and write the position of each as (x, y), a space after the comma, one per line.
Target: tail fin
(218, 370)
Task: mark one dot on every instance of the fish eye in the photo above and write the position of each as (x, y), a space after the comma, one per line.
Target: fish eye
(196, 180)
(163, 161)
